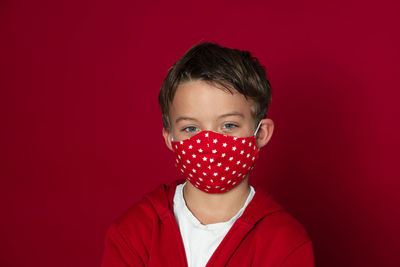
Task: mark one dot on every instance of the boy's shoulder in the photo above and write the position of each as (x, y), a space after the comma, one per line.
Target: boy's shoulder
(277, 238)
(282, 229)
(150, 208)
(274, 226)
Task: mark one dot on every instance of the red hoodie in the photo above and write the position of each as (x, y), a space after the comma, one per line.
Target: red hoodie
(147, 234)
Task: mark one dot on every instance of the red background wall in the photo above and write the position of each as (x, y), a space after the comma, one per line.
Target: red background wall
(81, 127)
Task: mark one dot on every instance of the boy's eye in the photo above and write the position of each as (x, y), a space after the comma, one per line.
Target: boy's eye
(229, 126)
(190, 129)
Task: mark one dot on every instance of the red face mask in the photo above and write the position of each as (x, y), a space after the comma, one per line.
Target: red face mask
(215, 162)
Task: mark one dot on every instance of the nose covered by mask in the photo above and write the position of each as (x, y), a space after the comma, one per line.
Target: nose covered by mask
(214, 162)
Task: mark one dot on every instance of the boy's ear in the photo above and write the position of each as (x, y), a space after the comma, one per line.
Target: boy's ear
(167, 137)
(264, 132)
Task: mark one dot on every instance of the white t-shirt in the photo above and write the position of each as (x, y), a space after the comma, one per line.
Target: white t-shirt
(201, 240)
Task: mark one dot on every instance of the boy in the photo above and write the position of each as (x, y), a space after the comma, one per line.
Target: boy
(214, 103)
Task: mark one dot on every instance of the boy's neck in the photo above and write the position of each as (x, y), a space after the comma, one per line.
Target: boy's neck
(214, 208)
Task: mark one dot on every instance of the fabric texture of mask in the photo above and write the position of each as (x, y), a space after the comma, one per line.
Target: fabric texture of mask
(215, 162)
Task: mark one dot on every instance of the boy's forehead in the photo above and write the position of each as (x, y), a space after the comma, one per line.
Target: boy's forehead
(201, 99)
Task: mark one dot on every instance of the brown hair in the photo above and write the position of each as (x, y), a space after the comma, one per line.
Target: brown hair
(221, 66)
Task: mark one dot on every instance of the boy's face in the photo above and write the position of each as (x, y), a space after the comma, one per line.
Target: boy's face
(199, 106)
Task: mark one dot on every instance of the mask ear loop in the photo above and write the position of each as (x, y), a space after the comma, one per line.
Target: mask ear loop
(258, 127)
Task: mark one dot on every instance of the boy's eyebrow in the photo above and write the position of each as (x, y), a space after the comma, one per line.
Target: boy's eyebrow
(235, 113)
(219, 117)
(185, 118)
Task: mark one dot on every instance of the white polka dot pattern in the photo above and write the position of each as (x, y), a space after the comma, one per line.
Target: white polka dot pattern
(214, 162)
